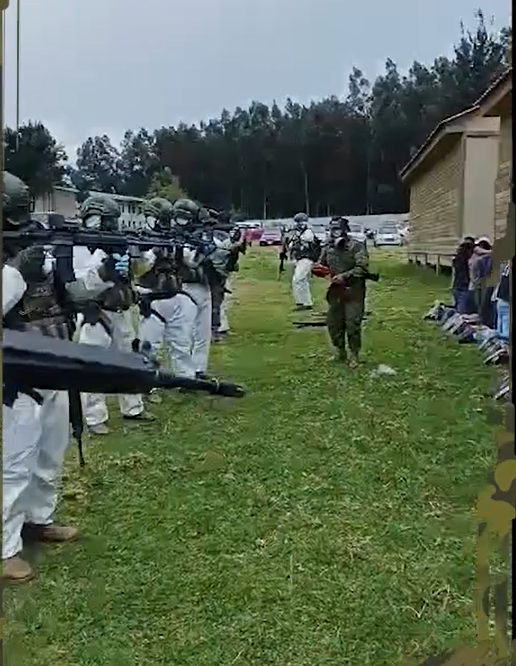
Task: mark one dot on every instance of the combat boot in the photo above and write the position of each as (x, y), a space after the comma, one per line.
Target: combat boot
(353, 361)
(17, 570)
(340, 356)
(49, 533)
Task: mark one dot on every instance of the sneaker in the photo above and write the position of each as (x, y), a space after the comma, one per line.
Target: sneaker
(17, 570)
(142, 416)
(49, 533)
(99, 429)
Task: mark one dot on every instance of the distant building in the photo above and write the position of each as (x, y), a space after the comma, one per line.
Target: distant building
(452, 186)
(63, 200)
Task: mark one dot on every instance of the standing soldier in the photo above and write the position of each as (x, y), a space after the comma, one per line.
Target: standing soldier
(348, 262)
(108, 319)
(303, 249)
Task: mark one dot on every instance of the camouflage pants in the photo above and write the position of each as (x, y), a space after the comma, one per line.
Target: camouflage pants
(344, 320)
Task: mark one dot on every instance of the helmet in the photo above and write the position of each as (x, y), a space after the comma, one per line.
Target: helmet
(15, 200)
(104, 208)
(185, 211)
(301, 220)
(160, 209)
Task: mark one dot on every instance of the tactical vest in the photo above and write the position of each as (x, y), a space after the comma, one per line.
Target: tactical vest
(302, 250)
(163, 277)
(117, 298)
(39, 310)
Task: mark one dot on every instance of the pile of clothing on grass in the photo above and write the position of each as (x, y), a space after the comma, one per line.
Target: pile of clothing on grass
(480, 312)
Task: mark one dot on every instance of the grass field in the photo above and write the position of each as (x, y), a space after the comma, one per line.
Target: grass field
(325, 519)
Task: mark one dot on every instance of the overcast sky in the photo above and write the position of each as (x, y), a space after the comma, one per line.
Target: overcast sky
(104, 66)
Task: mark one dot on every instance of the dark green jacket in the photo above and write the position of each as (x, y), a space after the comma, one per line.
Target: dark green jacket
(350, 260)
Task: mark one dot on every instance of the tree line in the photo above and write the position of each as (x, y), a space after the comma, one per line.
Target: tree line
(337, 155)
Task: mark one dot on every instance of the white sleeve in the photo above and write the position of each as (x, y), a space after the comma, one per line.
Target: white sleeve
(88, 283)
(13, 288)
(307, 236)
(190, 257)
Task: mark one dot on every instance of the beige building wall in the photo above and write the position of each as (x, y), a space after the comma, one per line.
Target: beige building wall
(435, 207)
(503, 178)
(480, 171)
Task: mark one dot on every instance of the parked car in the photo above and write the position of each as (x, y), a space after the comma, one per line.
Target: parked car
(271, 237)
(357, 232)
(251, 232)
(388, 234)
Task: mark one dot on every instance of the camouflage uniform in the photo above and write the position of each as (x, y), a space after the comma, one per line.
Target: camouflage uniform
(350, 260)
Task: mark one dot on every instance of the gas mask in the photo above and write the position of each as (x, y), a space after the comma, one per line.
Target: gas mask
(182, 221)
(338, 236)
(93, 222)
(150, 223)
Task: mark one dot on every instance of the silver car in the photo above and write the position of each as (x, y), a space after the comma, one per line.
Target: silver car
(388, 235)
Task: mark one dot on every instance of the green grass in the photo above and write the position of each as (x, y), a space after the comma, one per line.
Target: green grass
(325, 519)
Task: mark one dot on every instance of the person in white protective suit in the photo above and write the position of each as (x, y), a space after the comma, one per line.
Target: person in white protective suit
(108, 320)
(166, 321)
(195, 282)
(36, 433)
(301, 247)
(236, 246)
(219, 271)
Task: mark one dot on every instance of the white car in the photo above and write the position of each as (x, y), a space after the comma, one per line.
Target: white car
(388, 235)
(357, 232)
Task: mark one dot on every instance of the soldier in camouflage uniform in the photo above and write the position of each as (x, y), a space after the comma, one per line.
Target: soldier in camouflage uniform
(348, 262)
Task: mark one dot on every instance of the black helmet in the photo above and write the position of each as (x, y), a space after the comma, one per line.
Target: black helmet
(15, 200)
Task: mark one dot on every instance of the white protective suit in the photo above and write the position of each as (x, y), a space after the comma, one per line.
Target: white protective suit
(35, 437)
(121, 336)
(224, 321)
(302, 272)
(174, 331)
(201, 334)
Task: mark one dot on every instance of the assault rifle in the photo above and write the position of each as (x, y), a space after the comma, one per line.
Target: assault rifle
(33, 362)
(63, 235)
